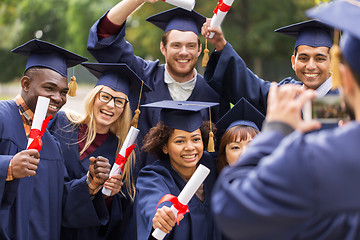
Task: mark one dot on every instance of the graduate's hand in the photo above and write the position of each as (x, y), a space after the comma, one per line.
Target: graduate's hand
(99, 169)
(114, 184)
(285, 104)
(25, 163)
(164, 219)
(218, 40)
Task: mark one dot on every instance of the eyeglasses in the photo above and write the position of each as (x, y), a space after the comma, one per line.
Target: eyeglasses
(107, 97)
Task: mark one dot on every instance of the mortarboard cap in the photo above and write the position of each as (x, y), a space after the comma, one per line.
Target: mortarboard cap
(117, 76)
(311, 33)
(178, 19)
(343, 15)
(183, 115)
(242, 113)
(45, 54)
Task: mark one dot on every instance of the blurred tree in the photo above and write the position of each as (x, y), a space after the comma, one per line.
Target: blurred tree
(62, 22)
(248, 27)
(79, 17)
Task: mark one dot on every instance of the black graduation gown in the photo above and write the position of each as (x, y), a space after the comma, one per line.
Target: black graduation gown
(67, 135)
(116, 49)
(158, 179)
(35, 207)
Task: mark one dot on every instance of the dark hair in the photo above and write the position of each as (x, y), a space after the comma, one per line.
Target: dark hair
(159, 135)
(164, 39)
(296, 50)
(241, 131)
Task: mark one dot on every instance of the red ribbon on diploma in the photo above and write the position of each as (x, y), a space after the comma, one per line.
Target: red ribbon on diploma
(36, 135)
(182, 209)
(121, 160)
(222, 7)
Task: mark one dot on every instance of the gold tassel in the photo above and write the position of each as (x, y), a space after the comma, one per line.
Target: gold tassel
(335, 53)
(206, 55)
(72, 86)
(211, 144)
(135, 120)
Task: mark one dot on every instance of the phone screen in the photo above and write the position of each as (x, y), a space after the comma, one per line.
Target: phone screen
(328, 109)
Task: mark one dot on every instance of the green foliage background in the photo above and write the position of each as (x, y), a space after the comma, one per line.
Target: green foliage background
(248, 27)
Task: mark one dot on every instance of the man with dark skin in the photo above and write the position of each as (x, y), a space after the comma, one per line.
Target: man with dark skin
(36, 198)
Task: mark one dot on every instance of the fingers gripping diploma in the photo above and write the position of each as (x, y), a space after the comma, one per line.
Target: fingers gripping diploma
(165, 219)
(114, 183)
(99, 169)
(25, 163)
(218, 40)
(285, 105)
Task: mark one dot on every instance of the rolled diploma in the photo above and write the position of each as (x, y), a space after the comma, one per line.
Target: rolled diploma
(41, 109)
(187, 193)
(129, 140)
(217, 19)
(186, 4)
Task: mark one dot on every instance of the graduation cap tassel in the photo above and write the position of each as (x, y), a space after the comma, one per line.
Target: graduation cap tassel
(335, 53)
(72, 85)
(135, 120)
(206, 55)
(211, 143)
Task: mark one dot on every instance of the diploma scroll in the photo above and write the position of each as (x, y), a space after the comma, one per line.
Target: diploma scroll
(187, 193)
(41, 109)
(116, 168)
(186, 4)
(220, 12)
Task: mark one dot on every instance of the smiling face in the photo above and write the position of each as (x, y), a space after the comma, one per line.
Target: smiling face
(106, 114)
(185, 149)
(47, 83)
(311, 65)
(234, 149)
(181, 54)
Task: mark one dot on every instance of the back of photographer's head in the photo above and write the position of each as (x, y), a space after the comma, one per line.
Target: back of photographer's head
(343, 15)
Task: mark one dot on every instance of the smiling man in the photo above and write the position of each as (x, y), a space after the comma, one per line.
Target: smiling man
(177, 79)
(35, 198)
(311, 57)
(228, 74)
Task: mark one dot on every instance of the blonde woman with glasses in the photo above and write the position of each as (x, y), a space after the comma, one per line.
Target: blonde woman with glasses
(100, 133)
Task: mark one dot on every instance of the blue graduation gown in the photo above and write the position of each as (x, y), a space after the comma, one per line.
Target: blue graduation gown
(158, 179)
(67, 134)
(116, 49)
(304, 186)
(35, 207)
(229, 76)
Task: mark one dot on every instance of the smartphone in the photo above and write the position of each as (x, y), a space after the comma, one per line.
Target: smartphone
(329, 109)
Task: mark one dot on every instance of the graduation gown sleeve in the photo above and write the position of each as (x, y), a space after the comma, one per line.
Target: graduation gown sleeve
(116, 49)
(289, 191)
(32, 207)
(151, 186)
(228, 75)
(67, 135)
(159, 179)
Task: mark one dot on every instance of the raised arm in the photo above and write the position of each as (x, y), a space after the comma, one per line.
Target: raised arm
(228, 75)
(121, 11)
